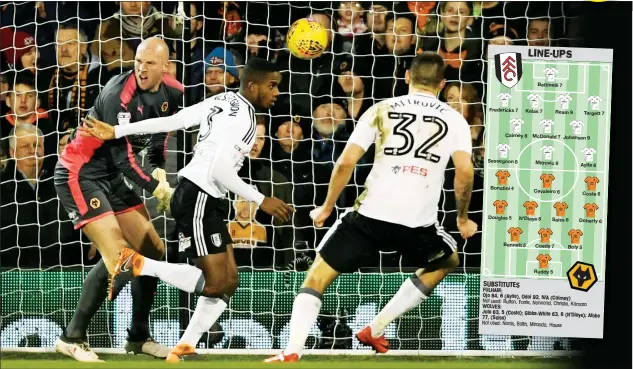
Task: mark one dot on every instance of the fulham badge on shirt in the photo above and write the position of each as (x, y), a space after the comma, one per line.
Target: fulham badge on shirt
(508, 68)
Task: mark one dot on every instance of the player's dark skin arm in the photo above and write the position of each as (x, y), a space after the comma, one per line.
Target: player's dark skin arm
(464, 176)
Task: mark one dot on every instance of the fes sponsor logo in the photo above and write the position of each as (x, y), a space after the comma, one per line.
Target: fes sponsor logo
(409, 169)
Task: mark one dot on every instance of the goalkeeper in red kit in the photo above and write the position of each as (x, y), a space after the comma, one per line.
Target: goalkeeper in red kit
(91, 179)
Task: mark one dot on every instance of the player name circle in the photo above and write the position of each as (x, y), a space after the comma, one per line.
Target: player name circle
(551, 163)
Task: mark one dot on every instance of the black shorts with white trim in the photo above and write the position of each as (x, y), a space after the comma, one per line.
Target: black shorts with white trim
(200, 221)
(354, 239)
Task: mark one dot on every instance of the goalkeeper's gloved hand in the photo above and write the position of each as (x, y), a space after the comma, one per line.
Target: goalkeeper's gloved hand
(160, 175)
(163, 193)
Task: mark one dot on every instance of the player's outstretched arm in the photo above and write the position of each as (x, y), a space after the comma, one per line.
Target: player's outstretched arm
(184, 119)
(341, 175)
(464, 176)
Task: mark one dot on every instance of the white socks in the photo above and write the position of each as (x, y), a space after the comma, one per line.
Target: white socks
(208, 310)
(305, 311)
(407, 297)
(185, 277)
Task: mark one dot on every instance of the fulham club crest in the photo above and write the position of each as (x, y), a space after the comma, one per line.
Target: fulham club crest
(508, 68)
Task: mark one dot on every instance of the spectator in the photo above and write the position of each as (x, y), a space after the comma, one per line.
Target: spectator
(329, 138)
(76, 81)
(424, 13)
(118, 37)
(19, 49)
(376, 25)
(291, 156)
(259, 172)
(350, 23)
(355, 87)
(463, 98)
(32, 225)
(24, 108)
(460, 48)
(400, 40)
(539, 32)
(221, 73)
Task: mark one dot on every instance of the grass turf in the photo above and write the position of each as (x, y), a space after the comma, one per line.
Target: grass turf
(55, 361)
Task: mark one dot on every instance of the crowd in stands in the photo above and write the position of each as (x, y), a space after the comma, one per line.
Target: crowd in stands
(57, 56)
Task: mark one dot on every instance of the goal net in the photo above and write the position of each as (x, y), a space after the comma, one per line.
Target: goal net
(51, 73)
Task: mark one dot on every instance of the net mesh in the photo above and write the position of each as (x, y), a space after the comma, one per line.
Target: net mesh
(51, 74)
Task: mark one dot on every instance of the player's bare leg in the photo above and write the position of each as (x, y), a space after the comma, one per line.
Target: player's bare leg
(413, 292)
(305, 309)
(214, 277)
(221, 281)
(141, 235)
(106, 235)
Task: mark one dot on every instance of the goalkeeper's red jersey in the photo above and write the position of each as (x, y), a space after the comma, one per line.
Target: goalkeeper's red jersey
(121, 102)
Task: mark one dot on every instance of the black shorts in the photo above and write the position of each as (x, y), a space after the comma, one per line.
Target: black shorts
(354, 239)
(200, 221)
(86, 200)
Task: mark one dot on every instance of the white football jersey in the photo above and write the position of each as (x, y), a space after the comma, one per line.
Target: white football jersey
(550, 74)
(227, 122)
(547, 152)
(415, 135)
(589, 151)
(534, 98)
(504, 98)
(546, 124)
(595, 102)
(577, 126)
(516, 124)
(564, 101)
(503, 150)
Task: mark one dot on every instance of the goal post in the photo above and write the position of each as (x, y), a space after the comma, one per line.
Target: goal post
(38, 300)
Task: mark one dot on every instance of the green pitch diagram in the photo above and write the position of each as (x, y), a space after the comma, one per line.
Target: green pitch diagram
(545, 202)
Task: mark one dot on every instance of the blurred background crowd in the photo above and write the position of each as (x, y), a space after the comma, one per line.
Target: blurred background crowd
(57, 56)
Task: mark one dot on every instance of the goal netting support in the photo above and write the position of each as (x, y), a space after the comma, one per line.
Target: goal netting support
(44, 263)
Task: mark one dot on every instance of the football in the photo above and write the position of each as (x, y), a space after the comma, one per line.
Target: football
(307, 39)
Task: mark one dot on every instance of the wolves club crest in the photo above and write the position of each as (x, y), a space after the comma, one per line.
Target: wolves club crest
(582, 276)
(508, 68)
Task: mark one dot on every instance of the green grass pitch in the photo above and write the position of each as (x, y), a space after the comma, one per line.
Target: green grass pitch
(55, 361)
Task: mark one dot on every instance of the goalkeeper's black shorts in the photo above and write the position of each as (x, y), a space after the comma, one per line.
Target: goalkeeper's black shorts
(201, 223)
(86, 200)
(354, 239)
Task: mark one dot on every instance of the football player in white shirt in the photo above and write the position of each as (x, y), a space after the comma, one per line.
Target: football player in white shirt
(594, 101)
(546, 124)
(577, 126)
(398, 210)
(516, 124)
(589, 151)
(227, 134)
(504, 98)
(550, 74)
(534, 98)
(564, 101)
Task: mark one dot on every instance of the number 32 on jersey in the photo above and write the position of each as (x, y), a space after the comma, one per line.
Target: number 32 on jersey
(402, 129)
